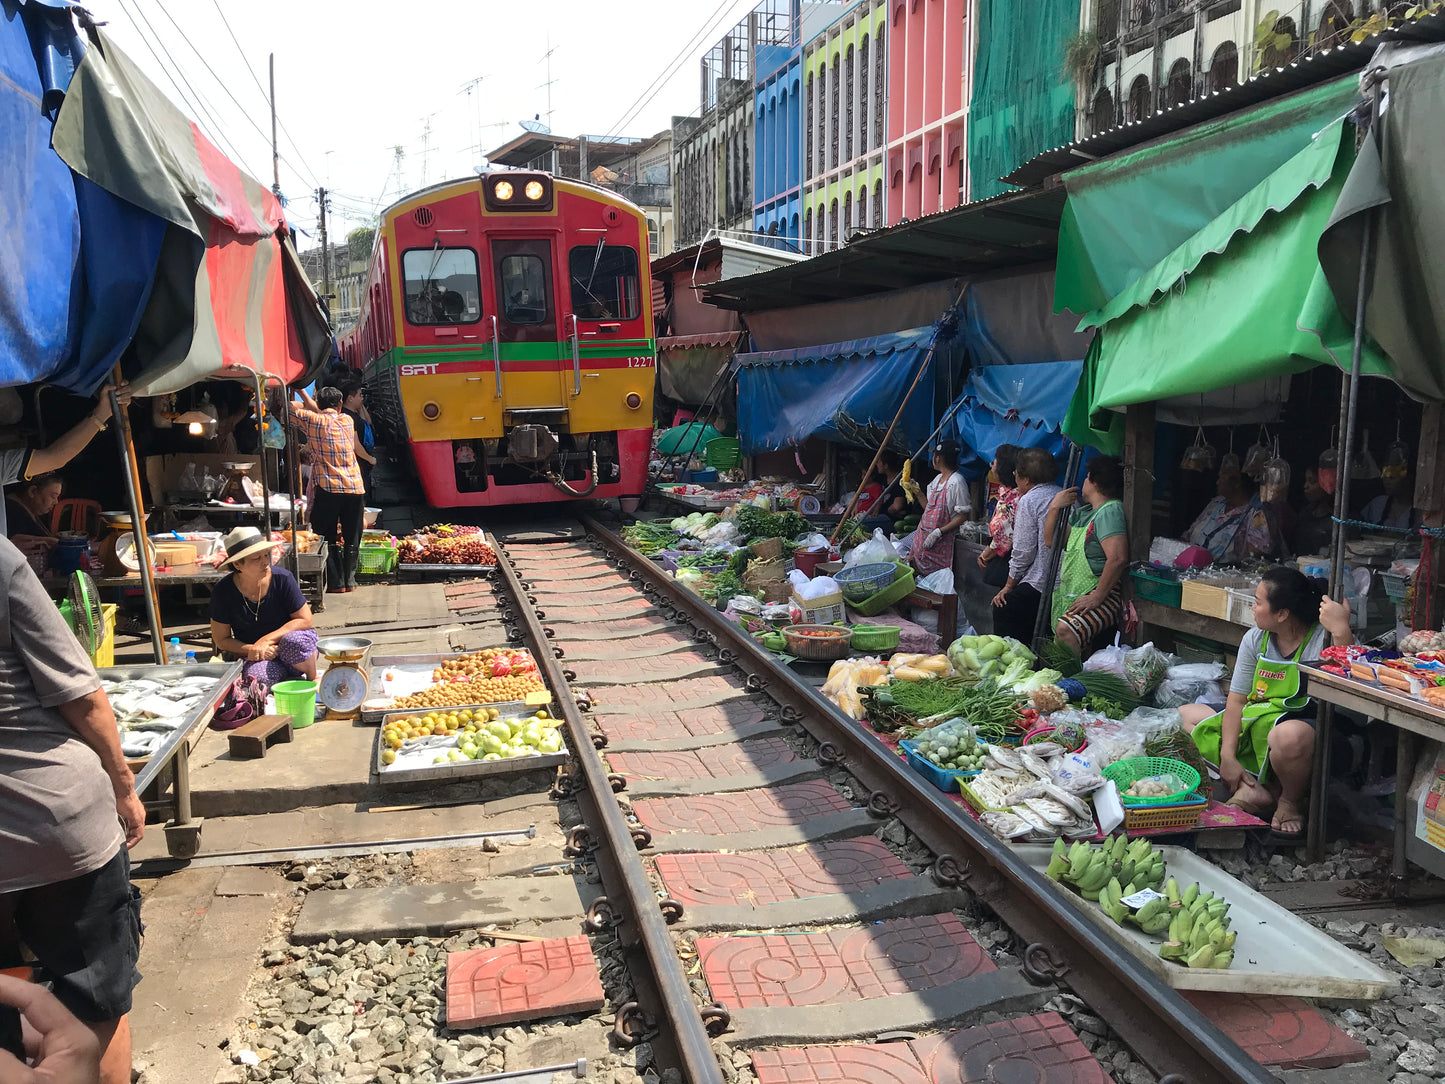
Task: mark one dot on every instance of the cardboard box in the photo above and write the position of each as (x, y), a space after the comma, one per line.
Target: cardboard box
(820, 611)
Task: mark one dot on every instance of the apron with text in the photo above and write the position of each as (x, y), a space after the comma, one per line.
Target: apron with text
(1274, 692)
(1075, 576)
(935, 515)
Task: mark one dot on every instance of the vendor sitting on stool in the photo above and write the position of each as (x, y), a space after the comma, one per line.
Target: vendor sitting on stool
(1264, 740)
(259, 614)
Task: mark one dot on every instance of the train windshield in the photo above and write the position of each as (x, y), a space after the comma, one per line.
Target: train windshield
(523, 281)
(442, 286)
(605, 282)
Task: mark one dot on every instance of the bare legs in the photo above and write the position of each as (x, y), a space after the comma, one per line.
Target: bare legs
(1291, 754)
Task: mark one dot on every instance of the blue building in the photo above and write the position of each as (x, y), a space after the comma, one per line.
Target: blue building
(778, 141)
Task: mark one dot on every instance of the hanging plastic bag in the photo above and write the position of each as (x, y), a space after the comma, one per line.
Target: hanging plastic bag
(1329, 466)
(1364, 468)
(1274, 482)
(1257, 455)
(1230, 462)
(1200, 455)
(877, 550)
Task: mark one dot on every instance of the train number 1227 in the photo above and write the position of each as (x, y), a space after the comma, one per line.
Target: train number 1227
(645, 361)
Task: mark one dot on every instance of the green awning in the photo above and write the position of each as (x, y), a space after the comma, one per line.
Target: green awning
(1403, 175)
(1127, 214)
(1242, 299)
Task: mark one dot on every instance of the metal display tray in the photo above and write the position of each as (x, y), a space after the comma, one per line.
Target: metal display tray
(466, 769)
(1277, 953)
(224, 672)
(378, 664)
(433, 570)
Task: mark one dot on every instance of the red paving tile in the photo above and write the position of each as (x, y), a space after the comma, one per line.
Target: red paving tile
(832, 967)
(714, 762)
(631, 647)
(1282, 1031)
(704, 722)
(469, 587)
(743, 811)
(574, 631)
(581, 610)
(1040, 1049)
(888, 1063)
(521, 982)
(763, 877)
(674, 696)
(577, 594)
(672, 667)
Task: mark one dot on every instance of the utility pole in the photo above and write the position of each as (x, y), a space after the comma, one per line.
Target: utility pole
(325, 247)
(275, 152)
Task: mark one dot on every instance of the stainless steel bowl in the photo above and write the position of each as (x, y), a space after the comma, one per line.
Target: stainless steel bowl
(344, 648)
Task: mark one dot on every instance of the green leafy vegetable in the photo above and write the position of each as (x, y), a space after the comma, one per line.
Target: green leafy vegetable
(756, 523)
(1108, 686)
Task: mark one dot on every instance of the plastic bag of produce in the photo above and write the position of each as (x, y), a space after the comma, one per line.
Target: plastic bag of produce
(1155, 786)
(1190, 683)
(812, 541)
(1145, 667)
(1109, 660)
(953, 745)
(876, 551)
(1111, 741)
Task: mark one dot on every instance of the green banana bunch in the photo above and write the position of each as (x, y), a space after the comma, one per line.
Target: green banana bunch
(1198, 928)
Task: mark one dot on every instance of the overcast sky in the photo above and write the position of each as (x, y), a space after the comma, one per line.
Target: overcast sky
(354, 80)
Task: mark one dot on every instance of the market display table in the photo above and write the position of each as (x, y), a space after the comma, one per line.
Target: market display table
(183, 832)
(312, 568)
(1410, 716)
(1158, 615)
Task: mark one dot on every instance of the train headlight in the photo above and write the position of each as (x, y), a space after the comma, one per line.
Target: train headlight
(503, 190)
(633, 400)
(534, 191)
(431, 411)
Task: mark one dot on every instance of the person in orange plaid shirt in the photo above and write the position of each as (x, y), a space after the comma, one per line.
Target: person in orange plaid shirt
(340, 492)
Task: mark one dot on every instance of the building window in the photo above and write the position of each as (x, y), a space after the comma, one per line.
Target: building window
(1180, 87)
(442, 286)
(835, 236)
(1335, 24)
(1224, 68)
(604, 282)
(847, 216)
(865, 139)
(1283, 46)
(848, 94)
(812, 110)
(1101, 116)
(1107, 21)
(877, 204)
(880, 83)
(808, 232)
(833, 132)
(523, 280)
(1139, 103)
(652, 235)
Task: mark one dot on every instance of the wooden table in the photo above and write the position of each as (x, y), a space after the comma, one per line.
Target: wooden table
(1193, 624)
(947, 608)
(1410, 716)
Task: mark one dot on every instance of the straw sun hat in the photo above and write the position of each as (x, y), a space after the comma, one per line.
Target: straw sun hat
(242, 542)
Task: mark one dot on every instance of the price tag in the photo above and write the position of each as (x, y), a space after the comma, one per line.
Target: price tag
(1140, 898)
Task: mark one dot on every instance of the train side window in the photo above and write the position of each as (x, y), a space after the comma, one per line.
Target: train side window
(605, 283)
(442, 286)
(523, 279)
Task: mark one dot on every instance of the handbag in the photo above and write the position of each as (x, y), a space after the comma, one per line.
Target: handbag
(246, 700)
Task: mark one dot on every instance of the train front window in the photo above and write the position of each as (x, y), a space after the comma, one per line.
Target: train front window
(605, 282)
(443, 286)
(523, 280)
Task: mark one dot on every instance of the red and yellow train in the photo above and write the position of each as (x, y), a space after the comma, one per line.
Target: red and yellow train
(506, 338)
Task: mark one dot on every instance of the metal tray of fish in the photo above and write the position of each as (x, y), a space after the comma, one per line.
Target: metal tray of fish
(433, 570)
(222, 673)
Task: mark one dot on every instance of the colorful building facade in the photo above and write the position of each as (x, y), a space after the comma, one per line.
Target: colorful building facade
(930, 51)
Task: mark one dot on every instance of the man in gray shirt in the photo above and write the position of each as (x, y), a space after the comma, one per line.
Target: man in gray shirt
(22, 464)
(68, 814)
(1017, 604)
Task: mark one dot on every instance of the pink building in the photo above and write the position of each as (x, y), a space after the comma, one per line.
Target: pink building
(929, 53)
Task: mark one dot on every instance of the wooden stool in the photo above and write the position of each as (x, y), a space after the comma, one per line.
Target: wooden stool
(252, 740)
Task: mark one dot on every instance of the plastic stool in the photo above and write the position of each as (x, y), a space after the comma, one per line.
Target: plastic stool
(682, 417)
(86, 512)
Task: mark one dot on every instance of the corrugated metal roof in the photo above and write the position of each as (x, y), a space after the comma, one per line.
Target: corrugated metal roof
(1319, 68)
(1012, 230)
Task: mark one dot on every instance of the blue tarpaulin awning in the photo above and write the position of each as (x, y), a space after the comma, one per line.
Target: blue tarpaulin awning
(787, 396)
(1013, 404)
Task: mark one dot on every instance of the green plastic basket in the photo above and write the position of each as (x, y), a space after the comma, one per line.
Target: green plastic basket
(1125, 773)
(724, 453)
(1157, 587)
(894, 593)
(375, 560)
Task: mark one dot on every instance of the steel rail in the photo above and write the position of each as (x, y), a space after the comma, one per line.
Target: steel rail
(1173, 1037)
(632, 899)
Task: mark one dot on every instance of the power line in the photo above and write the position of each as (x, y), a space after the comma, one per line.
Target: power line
(196, 109)
(669, 70)
(249, 119)
(264, 96)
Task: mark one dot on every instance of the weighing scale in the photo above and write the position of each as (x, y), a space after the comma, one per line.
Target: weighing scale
(117, 549)
(344, 685)
(234, 491)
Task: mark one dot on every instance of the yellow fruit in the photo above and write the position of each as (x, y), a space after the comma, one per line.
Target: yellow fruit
(389, 756)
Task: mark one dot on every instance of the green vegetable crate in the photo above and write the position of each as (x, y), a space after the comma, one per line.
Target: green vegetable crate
(1157, 587)
(894, 593)
(945, 779)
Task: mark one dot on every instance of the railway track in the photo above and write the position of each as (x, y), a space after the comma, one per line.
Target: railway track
(782, 887)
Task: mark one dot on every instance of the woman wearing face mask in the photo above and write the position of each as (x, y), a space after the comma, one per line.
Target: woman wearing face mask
(944, 512)
(1263, 741)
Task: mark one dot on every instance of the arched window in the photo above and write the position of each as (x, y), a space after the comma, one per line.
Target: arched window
(814, 108)
(1139, 103)
(1181, 84)
(865, 139)
(1224, 67)
(1101, 116)
(835, 235)
(1282, 46)
(808, 232)
(1335, 24)
(880, 84)
(1107, 21)
(847, 216)
(877, 204)
(833, 131)
(848, 89)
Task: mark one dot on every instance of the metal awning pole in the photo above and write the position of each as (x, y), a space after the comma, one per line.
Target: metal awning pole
(137, 523)
(1349, 408)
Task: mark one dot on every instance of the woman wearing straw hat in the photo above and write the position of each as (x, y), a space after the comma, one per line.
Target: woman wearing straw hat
(259, 614)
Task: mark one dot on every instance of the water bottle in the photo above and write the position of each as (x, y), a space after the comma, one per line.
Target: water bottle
(175, 656)
(190, 658)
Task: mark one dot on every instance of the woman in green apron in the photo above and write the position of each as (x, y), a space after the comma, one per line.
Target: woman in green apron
(1089, 598)
(1263, 741)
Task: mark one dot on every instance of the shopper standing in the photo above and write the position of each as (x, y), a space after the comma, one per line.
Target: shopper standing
(1017, 603)
(355, 407)
(340, 492)
(68, 815)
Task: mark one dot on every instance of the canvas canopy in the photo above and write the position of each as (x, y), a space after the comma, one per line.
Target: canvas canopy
(1013, 404)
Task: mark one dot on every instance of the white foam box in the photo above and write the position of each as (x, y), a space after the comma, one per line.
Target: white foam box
(1276, 952)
